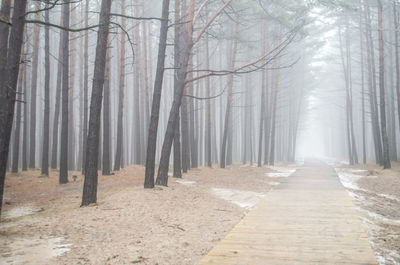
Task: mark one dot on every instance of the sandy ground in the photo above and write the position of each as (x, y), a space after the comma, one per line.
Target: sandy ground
(376, 192)
(167, 225)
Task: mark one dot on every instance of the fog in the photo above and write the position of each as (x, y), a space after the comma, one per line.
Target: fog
(251, 82)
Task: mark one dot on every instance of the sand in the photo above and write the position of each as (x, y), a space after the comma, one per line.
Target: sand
(177, 224)
(376, 193)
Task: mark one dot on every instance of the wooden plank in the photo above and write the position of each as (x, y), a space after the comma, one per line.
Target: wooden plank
(309, 219)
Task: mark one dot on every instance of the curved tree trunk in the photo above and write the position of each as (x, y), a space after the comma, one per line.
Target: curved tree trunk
(90, 184)
(155, 108)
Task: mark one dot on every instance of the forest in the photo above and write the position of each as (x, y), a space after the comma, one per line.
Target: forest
(160, 98)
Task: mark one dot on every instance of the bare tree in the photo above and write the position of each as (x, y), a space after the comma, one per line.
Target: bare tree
(8, 85)
(64, 96)
(46, 114)
(155, 108)
(385, 141)
(90, 184)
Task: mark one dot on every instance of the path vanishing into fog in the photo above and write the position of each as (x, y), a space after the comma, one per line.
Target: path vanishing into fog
(308, 219)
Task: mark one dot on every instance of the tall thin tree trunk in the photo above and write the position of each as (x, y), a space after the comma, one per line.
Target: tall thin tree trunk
(362, 91)
(208, 111)
(35, 62)
(54, 151)
(177, 58)
(17, 133)
(274, 110)
(223, 160)
(396, 38)
(106, 119)
(90, 184)
(385, 140)
(64, 99)
(46, 114)
(85, 89)
(372, 88)
(136, 103)
(25, 125)
(155, 109)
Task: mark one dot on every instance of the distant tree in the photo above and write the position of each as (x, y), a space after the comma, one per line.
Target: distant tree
(34, 77)
(46, 114)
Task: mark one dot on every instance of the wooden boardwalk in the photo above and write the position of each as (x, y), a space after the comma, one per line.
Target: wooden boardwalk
(308, 219)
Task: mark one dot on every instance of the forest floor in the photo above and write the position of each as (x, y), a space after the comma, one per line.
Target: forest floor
(43, 223)
(376, 193)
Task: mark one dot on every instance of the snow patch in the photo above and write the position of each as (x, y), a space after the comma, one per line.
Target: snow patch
(380, 217)
(34, 250)
(281, 172)
(349, 180)
(244, 199)
(357, 170)
(21, 211)
(273, 183)
(186, 182)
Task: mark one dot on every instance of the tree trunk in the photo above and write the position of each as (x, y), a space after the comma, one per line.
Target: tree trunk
(90, 184)
(17, 132)
(385, 140)
(46, 114)
(208, 111)
(4, 31)
(8, 86)
(85, 89)
(25, 125)
(185, 42)
(372, 87)
(35, 62)
(396, 38)
(155, 109)
(273, 120)
(136, 103)
(54, 151)
(177, 58)
(362, 91)
(65, 94)
(106, 119)
(228, 103)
